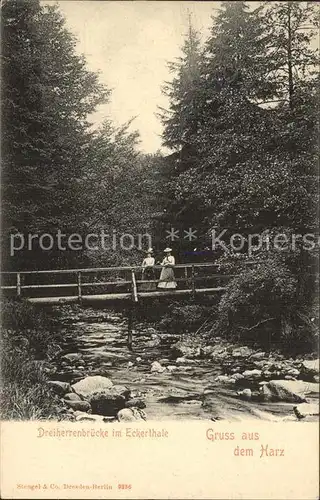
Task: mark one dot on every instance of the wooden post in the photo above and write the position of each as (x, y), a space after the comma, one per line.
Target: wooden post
(193, 286)
(79, 285)
(130, 324)
(18, 285)
(134, 287)
(186, 276)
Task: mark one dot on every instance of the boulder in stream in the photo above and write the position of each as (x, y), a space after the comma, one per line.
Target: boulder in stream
(84, 417)
(252, 375)
(293, 372)
(157, 368)
(257, 356)
(180, 349)
(310, 367)
(245, 394)
(109, 401)
(71, 396)
(183, 361)
(78, 405)
(292, 391)
(155, 342)
(89, 385)
(242, 352)
(60, 388)
(135, 403)
(72, 357)
(225, 379)
(171, 368)
(306, 410)
(237, 376)
(131, 415)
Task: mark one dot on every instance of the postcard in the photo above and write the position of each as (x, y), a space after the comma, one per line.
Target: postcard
(160, 241)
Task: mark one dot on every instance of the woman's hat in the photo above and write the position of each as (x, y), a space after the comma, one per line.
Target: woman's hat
(150, 250)
(167, 249)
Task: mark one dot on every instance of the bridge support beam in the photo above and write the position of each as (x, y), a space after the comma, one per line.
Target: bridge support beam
(131, 315)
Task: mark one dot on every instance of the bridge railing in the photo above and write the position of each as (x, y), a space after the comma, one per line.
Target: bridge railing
(123, 279)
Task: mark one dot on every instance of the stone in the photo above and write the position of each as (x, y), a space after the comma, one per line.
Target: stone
(184, 368)
(151, 330)
(245, 394)
(311, 367)
(60, 388)
(237, 376)
(135, 403)
(109, 401)
(91, 384)
(293, 372)
(264, 365)
(292, 391)
(122, 390)
(78, 412)
(131, 415)
(224, 379)
(71, 396)
(78, 405)
(306, 410)
(72, 357)
(219, 353)
(89, 418)
(207, 350)
(208, 391)
(171, 368)
(157, 368)
(153, 343)
(182, 361)
(164, 361)
(252, 374)
(138, 359)
(257, 356)
(130, 364)
(180, 349)
(242, 352)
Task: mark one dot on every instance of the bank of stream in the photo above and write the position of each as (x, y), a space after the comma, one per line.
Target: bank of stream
(175, 380)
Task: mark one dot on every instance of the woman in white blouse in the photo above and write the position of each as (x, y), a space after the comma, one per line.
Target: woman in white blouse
(148, 272)
(167, 275)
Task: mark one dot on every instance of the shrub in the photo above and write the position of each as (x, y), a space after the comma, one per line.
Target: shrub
(29, 337)
(180, 318)
(261, 305)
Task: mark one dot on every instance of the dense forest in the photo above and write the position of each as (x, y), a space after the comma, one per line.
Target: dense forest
(241, 126)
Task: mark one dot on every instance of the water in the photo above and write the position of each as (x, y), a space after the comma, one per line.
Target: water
(190, 392)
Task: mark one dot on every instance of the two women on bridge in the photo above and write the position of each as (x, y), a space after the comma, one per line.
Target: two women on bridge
(167, 280)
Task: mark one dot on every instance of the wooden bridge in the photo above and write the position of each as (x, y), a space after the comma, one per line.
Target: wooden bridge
(109, 284)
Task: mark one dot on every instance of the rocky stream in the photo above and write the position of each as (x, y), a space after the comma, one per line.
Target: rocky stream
(173, 377)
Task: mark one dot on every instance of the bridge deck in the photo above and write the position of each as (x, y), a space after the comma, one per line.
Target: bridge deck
(120, 296)
(60, 286)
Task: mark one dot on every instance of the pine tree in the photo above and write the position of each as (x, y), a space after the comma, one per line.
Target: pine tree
(47, 94)
(237, 51)
(181, 120)
(293, 26)
(182, 123)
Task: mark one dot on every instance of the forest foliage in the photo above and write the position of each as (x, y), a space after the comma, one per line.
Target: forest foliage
(242, 122)
(241, 125)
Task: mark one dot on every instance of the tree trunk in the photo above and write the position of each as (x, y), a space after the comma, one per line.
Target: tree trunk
(289, 54)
